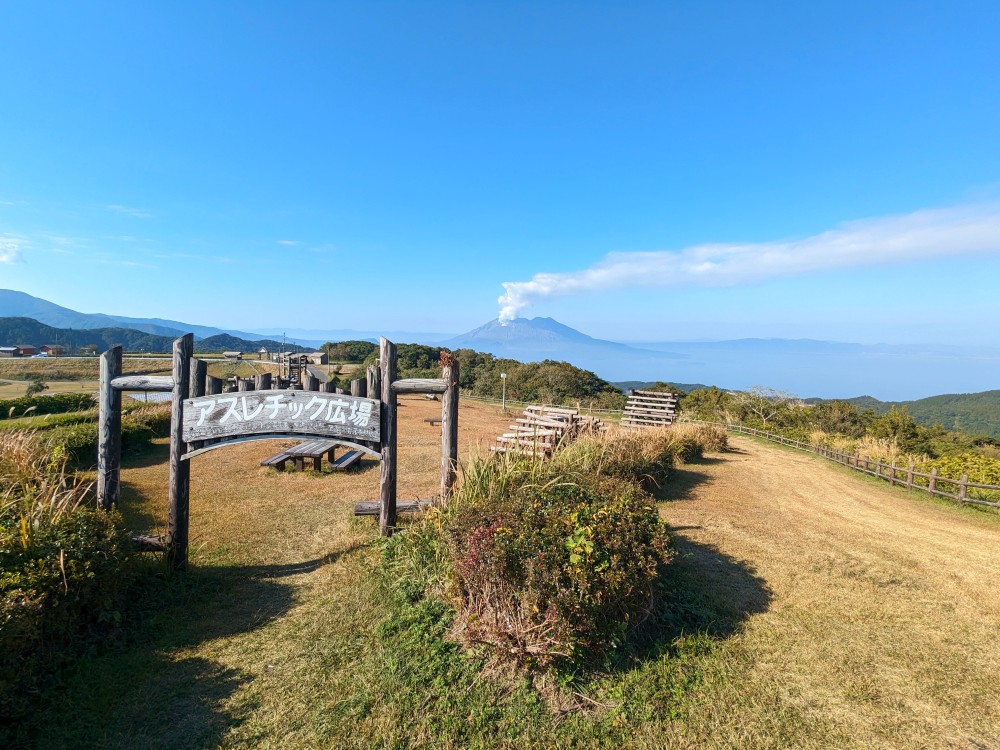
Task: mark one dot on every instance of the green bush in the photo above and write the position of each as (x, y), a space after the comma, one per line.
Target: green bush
(555, 573)
(58, 403)
(979, 468)
(63, 566)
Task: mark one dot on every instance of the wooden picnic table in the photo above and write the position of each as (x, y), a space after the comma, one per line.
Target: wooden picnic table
(315, 450)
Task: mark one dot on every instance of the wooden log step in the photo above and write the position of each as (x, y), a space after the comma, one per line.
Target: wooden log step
(372, 507)
(433, 420)
(150, 542)
(346, 461)
(523, 441)
(521, 451)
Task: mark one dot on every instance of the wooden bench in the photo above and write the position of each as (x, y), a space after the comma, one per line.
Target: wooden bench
(346, 461)
(277, 461)
(433, 420)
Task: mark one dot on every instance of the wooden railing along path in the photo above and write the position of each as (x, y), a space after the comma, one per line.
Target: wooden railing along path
(889, 472)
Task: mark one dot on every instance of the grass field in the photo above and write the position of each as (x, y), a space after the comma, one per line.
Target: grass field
(809, 608)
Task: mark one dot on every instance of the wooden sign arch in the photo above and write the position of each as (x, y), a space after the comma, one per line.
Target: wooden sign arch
(202, 419)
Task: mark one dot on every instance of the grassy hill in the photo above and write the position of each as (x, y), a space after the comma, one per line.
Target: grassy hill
(28, 331)
(971, 413)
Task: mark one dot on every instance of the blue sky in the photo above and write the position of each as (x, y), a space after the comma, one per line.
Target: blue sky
(673, 170)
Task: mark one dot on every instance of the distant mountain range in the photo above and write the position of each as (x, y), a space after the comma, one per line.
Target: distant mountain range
(15, 331)
(802, 366)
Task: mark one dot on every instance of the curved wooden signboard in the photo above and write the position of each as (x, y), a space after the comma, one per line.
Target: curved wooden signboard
(268, 412)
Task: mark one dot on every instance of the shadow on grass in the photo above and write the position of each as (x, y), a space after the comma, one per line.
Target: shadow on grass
(703, 590)
(146, 690)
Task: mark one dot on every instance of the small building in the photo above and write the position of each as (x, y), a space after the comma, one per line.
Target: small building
(9, 351)
(264, 354)
(53, 350)
(318, 358)
(27, 350)
(233, 355)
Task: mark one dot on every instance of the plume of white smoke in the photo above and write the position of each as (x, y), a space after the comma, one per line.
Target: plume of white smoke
(922, 235)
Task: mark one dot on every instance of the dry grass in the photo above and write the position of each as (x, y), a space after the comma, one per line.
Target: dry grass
(881, 630)
(856, 616)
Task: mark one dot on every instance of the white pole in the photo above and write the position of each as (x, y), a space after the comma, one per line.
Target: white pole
(503, 391)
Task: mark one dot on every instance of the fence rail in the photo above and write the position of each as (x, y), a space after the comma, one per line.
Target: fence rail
(889, 472)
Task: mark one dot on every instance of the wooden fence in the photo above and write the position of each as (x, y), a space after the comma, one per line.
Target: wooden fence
(889, 472)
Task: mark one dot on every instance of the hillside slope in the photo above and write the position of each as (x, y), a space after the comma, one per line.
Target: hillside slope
(971, 413)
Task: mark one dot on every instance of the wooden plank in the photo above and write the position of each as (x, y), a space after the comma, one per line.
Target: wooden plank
(179, 487)
(420, 385)
(449, 427)
(150, 542)
(161, 383)
(373, 507)
(277, 461)
(346, 461)
(270, 412)
(109, 430)
(387, 472)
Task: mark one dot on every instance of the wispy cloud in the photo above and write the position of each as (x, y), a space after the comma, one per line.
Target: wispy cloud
(10, 249)
(923, 235)
(289, 243)
(136, 213)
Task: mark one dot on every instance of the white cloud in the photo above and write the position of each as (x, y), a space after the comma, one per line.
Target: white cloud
(289, 243)
(137, 213)
(923, 235)
(10, 249)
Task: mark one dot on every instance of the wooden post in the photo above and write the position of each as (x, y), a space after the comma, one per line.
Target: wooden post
(387, 474)
(262, 382)
(196, 388)
(329, 386)
(213, 386)
(244, 384)
(932, 482)
(449, 428)
(909, 477)
(109, 430)
(892, 476)
(180, 489)
(374, 388)
(356, 387)
(311, 383)
(963, 489)
(878, 468)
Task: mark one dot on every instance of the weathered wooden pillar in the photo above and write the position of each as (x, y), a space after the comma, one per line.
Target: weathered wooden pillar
(312, 383)
(356, 387)
(449, 428)
(387, 470)
(329, 386)
(178, 510)
(109, 430)
(244, 384)
(963, 489)
(932, 482)
(909, 477)
(372, 376)
(196, 388)
(262, 382)
(213, 386)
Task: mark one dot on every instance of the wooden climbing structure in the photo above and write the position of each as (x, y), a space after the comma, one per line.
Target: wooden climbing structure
(540, 430)
(650, 409)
